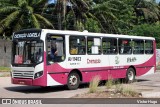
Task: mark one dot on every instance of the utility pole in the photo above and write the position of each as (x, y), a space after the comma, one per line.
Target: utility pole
(61, 7)
(64, 13)
(59, 14)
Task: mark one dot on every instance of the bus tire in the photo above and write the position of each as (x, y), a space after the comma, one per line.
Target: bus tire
(130, 75)
(73, 81)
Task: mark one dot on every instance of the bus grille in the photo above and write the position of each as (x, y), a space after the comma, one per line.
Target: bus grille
(23, 74)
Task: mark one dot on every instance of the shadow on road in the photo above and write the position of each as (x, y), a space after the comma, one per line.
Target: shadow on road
(142, 80)
(37, 89)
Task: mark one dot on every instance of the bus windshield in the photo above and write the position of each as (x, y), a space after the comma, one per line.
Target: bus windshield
(27, 52)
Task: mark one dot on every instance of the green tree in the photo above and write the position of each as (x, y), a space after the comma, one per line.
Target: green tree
(147, 11)
(20, 14)
(92, 25)
(114, 15)
(151, 30)
(79, 13)
(72, 14)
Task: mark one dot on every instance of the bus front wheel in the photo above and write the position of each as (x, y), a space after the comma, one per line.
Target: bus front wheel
(73, 81)
(130, 76)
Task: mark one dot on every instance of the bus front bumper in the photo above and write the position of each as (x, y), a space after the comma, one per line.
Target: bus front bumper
(22, 81)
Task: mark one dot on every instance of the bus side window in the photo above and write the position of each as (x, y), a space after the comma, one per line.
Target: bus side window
(73, 50)
(109, 45)
(125, 46)
(77, 45)
(55, 48)
(148, 47)
(138, 47)
(89, 45)
(94, 45)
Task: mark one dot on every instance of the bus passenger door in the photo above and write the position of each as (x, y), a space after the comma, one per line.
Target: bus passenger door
(55, 56)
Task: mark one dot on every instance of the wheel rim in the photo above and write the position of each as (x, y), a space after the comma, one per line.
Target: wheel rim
(73, 80)
(130, 75)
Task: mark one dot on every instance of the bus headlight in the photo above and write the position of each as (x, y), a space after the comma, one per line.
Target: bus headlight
(38, 74)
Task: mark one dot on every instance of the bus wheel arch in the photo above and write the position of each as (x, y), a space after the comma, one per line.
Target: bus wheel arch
(134, 69)
(130, 74)
(74, 79)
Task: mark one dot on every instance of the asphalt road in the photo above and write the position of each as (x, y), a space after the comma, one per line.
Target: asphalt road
(19, 91)
(149, 86)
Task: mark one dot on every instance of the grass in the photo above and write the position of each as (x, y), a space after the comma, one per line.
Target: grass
(116, 90)
(129, 91)
(109, 83)
(93, 86)
(125, 90)
(113, 89)
(5, 69)
(157, 67)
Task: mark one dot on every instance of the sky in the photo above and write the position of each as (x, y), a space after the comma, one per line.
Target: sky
(52, 1)
(157, 1)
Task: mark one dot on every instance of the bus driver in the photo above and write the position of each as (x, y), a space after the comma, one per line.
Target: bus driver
(54, 51)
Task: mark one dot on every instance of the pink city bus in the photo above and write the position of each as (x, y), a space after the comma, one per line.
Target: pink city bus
(43, 57)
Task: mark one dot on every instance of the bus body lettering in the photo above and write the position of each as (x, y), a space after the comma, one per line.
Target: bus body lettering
(74, 58)
(93, 61)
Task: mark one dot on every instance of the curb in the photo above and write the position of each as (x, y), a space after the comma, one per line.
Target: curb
(150, 94)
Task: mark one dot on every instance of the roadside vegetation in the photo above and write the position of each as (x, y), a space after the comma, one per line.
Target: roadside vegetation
(112, 89)
(158, 67)
(93, 86)
(109, 83)
(5, 69)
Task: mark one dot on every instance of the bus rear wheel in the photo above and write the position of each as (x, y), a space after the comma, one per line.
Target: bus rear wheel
(130, 76)
(73, 81)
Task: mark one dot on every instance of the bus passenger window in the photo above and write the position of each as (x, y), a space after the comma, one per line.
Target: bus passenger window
(93, 45)
(77, 45)
(138, 47)
(55, 48)
(73, 50)
(125, 46)
(109, 45)
(148, 47)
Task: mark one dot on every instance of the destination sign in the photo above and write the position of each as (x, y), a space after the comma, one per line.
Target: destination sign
(27, 34)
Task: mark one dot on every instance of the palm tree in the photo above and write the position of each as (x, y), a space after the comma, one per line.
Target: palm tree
(74, 13)
(147, 11)
(80, 12)
(20, 14)
(114, 15)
